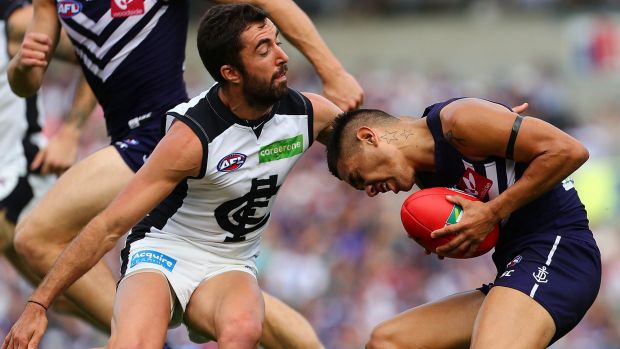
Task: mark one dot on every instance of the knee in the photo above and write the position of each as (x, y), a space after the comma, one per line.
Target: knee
(26, 242)
(242, 332)
(382, 337)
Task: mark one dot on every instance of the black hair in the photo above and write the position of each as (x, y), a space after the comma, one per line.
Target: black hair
(219, 35)
(339, 139)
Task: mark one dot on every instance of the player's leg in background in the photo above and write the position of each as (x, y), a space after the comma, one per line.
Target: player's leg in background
(444, 324)
(285, 328)
(510, 319)
(228, 307)
(7, 249)
(7, 234)
(141, 312)
(78, 195)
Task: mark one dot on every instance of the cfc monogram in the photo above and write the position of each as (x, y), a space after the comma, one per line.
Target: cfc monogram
(239, 216)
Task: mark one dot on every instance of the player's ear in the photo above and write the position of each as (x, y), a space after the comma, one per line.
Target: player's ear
(366, 135)
(231, 74)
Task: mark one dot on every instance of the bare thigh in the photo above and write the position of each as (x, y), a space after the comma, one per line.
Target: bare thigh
(141, 312)
(226, 299)
(447, 323)
(510, 319)
(78, 195)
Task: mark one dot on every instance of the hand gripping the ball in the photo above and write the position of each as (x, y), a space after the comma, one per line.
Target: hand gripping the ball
(477, 222)
(435, 219)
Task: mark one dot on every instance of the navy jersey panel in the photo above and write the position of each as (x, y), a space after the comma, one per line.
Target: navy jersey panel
(558, 210)
(133, 64)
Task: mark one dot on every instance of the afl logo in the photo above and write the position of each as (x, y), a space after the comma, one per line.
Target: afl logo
(231, 162)
(69, 8)
(514, 262)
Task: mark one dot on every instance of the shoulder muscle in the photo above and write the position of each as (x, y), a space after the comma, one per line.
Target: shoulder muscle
(324, 113)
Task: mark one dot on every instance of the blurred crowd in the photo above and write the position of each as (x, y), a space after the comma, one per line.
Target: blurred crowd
(399, 7)
(342, 258)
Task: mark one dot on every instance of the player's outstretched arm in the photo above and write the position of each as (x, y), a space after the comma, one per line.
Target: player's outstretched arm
(338, 85)
(324, 113)
(26, 69)
(16, 29)
(177, 156)
(551, 155)
(61, 151)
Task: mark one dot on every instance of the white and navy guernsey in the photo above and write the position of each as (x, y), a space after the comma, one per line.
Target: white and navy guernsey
(227, 206)
(559, 211)
(132, 54)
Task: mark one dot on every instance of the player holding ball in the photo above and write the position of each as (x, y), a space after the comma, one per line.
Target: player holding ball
(548, 263)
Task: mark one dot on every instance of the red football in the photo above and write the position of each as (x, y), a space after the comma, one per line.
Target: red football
(428, 210)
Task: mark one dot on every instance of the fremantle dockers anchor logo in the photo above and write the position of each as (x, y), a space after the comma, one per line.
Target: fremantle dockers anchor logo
(238, 216)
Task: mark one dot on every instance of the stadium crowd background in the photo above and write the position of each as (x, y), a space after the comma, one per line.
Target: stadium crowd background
(343, 259)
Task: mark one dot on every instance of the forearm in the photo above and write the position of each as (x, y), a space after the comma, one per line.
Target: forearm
(84, 102)
(79, 257)
(64, 50)
(24, 83)
(27, 68)
(542, 174)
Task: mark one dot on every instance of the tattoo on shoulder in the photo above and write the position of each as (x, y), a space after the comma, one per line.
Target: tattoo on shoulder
(453, 139)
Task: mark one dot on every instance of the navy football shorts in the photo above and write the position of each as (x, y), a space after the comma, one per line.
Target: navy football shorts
(561, 273)
(137, 145)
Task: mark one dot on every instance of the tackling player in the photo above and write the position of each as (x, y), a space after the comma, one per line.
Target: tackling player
(132, 54)
(192, 255)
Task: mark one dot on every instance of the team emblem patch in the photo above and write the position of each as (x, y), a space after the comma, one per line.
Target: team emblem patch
(68, 8)
(514, 262)
(475, 184)
(126, 8)
(231, 162)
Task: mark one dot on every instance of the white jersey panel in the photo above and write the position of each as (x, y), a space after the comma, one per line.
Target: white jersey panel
(227, 210)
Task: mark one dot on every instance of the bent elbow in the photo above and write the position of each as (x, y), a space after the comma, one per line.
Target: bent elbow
(575, 155)
(581, 154)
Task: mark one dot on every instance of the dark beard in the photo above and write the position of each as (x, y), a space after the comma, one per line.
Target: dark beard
(260, 95)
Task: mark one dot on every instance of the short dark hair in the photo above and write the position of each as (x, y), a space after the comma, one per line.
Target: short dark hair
(339, 138)
(219, 35)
